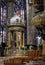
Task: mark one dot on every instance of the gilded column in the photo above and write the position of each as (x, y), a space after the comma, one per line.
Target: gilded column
(23, 40)
(9, 39)
(16, 39)
(20, 39)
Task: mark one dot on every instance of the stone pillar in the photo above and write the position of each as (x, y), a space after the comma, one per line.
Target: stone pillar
(29, 23)
(10, 10)
(9, 39)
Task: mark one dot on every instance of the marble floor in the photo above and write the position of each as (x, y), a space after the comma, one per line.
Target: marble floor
(36, 63)
(30, 63)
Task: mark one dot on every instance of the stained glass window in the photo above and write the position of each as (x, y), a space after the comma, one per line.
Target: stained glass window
(3, 13)
(3, 21)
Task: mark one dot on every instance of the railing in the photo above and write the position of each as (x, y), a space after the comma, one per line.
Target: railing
(35, 54)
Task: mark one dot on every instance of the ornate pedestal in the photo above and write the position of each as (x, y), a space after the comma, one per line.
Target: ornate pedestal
(39, 22)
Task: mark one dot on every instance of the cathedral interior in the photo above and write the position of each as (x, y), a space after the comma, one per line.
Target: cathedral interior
(22, 28)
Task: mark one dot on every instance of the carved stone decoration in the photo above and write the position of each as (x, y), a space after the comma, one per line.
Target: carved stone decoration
(39, 20)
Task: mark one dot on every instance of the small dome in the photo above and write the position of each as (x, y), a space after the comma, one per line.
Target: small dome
(15, 19)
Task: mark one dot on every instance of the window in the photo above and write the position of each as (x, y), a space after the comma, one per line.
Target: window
(3, 17)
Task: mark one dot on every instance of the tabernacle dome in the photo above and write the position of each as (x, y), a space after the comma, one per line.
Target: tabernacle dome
(16, 19)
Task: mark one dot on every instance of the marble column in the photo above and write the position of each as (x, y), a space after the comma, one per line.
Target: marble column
(29, 23)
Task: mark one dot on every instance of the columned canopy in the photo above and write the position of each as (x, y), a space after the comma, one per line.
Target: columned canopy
(16, 29)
